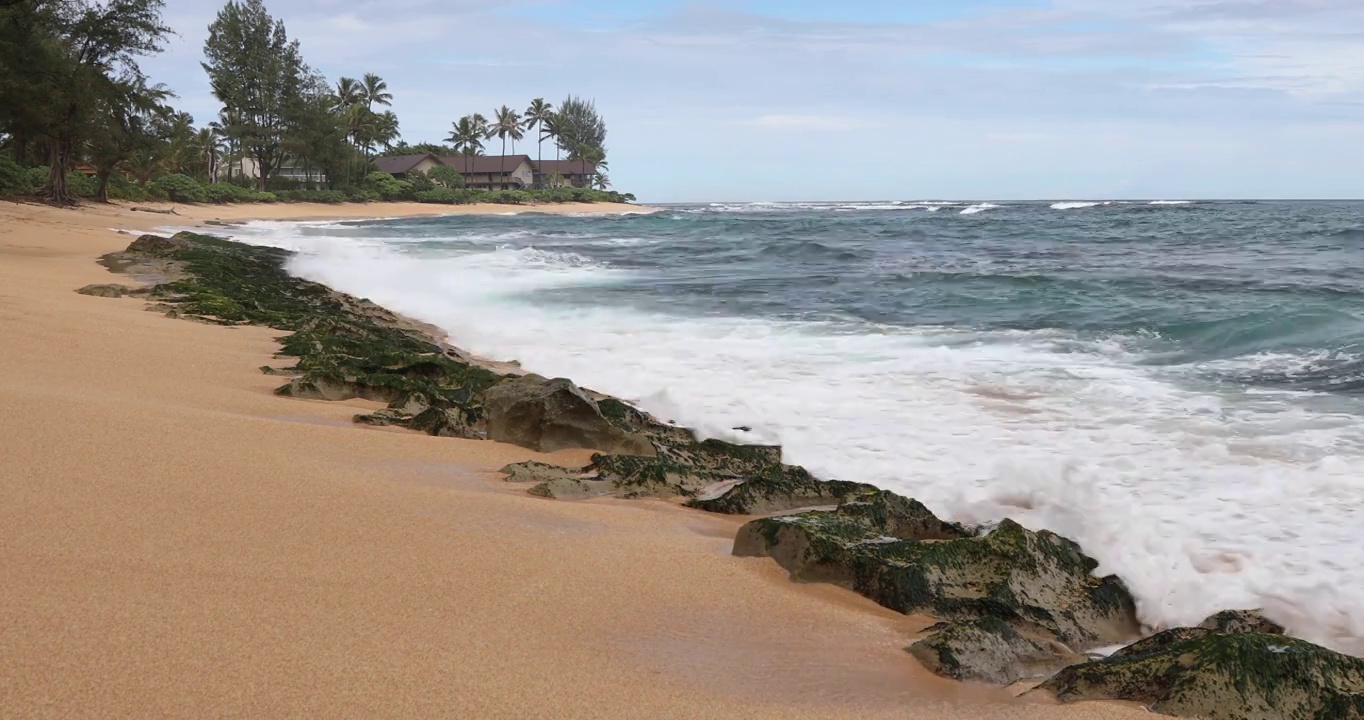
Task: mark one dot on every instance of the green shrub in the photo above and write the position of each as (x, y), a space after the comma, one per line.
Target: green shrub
(330, 197)
(509, 197)
(37, 178)
(420, 182)
(388, 187)
(121, 188)
(263, 197)
(221, 193)
(177, 188)
(81, 185)
(446, 176)
(359, 195)
(13, 177)
(446, 196)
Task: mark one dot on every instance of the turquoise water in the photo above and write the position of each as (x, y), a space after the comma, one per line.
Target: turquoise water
(1178, 386)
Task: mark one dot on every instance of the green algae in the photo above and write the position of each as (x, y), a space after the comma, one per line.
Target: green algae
(1197, 672)
(338, 341)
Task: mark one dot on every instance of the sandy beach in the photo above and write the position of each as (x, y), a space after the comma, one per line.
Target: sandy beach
(176, 541)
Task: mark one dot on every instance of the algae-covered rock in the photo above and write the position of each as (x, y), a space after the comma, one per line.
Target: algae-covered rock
(446, 422)
(549, 415)
(1241, 621)
(532, 471)
(773, 489)
(990, 650)
(894, 551)
(1201, 673)
(107, 290)
(334, 390)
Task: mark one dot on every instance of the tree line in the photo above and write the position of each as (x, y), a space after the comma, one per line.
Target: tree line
(73, 95)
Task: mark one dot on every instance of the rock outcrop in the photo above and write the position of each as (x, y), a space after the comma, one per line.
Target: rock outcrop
(1242, 621)
(549, 415)
(894, 551)
(109, 290)
(1203, 673)
(990, 650)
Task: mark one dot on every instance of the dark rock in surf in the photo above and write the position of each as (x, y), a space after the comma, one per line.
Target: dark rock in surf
(990, 650)
(1242, 621)
(894, 551)
(1202, 673)
(548, 415)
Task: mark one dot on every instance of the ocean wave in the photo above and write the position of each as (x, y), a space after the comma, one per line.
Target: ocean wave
(978, 208)
(1199, 499)
(1076, 205)
(1170, 202)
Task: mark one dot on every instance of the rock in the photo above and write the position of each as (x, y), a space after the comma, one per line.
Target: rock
(894, 551)
(532, 471)
(990, 650)
(1242, 621)
(158, 246)
(334, 389)
(571, 489)
(774, 489)
(110, 290)
(549, 415)
(383, 418)
(442, 422)
(1201, 673)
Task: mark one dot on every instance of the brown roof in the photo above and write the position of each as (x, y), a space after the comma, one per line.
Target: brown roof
(565, 167)
(483, 164)
(399, 164)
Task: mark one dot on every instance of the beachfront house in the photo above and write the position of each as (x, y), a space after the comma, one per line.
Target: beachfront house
(560, 173)
(247, 168)
(401, 165)
(495, 172)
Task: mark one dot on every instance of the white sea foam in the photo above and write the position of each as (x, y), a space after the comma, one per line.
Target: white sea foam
(1199, 501)
(1171, 202)
(1075, 205)
(979, 208)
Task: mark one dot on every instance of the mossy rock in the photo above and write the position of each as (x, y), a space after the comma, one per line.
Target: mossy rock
(894, 551)
(532, 471)
(345, 347)
(1201, 673)
(1240, 621)
(108, 290)
(990, 650)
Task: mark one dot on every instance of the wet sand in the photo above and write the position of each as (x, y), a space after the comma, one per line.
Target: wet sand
(177, 541)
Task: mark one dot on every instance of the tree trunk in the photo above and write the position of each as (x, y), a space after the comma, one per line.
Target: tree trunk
(540, 158)
(503, 178)
(103, 193)
(59, 155)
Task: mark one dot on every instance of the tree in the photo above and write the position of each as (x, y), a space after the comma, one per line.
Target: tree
(467, 135)
(128, 121)
(255, 70)
(83, 59)
(348, 93)
(375, 92)
(539, 113)
(580, 129)
(447, 176)
(507, 124)
(386, 130)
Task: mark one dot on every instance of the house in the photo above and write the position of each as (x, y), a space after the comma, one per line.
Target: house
(400, 165)
(496, 172)
(247, 168)
(564, 172)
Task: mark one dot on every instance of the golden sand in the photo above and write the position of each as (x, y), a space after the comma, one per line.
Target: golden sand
(176, 541)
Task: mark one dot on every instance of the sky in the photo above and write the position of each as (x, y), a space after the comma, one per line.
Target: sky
(755, 100)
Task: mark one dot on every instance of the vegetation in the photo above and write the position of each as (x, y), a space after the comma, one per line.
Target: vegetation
(80, 119)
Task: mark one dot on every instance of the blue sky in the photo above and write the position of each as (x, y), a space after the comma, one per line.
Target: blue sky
(873, 99)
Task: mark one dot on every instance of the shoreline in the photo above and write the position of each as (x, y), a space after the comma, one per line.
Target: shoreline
(425, 514)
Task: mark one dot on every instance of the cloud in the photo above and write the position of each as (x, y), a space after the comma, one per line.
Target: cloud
(1020, 85)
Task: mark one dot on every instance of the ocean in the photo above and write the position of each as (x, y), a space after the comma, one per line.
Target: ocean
(1178, 386)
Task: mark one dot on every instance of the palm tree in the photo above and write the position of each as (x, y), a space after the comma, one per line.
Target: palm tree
(374, 91)
(507, 125)
(385, 129)
(537, 115)
(467, 136)
(348, 93)
(210, 147)
(228, 127)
